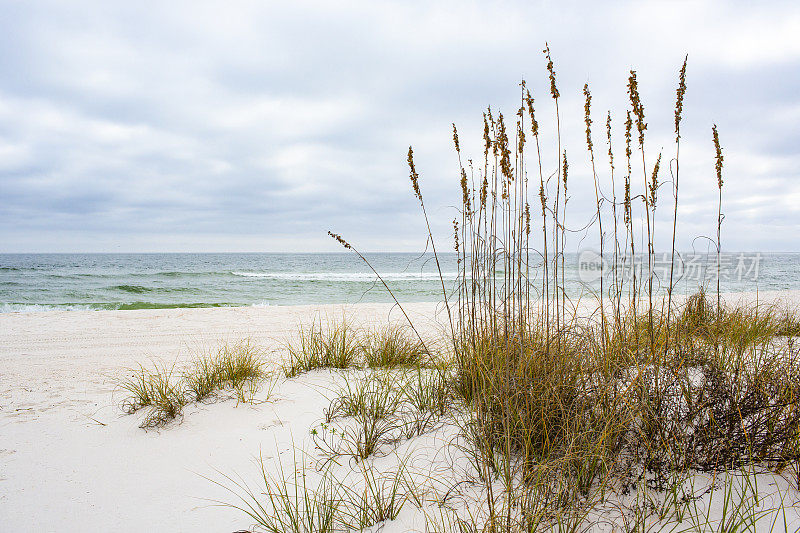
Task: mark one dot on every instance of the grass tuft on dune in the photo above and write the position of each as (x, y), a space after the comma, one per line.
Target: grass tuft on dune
(164, 391)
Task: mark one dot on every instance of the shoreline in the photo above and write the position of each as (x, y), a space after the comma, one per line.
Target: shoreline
(784, 295)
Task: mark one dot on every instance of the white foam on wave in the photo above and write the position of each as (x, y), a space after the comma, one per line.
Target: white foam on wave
(39, 308)
(347, 276)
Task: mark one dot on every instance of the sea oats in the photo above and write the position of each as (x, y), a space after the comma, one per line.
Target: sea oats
(413, 174)
(531, 113)
(636, 104)
(339, 239)
(654, 183)
(465, 196)
(486, 139)
(505, 153)
(587, 115)
(680, 92)
(718, 155)
(552, 72)
(608, 134)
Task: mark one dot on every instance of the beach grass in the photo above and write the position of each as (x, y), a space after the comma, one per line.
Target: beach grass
(291, 504)
(335, 344)
(569, 416)
(155, 389)
(310, 501)
(392, 346)
(565, 407)
(330, 345)
(164, 391)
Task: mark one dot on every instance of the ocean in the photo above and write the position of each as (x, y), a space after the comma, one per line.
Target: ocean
(40, 282)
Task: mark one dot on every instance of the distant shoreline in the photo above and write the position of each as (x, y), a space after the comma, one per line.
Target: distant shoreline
(790, 297)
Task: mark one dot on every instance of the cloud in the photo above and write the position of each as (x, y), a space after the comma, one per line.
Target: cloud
(258, 126)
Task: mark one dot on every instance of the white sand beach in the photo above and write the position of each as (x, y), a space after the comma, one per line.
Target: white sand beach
(71, 460)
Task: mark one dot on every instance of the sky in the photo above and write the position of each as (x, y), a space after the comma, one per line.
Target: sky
(259, 126)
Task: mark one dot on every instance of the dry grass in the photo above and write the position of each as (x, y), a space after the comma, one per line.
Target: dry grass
(334, 345)
(392, 346)
(155, 389)
(565, 410)
(338, 345)
(237, 368)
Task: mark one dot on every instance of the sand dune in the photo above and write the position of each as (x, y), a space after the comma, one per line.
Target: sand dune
(70, 460)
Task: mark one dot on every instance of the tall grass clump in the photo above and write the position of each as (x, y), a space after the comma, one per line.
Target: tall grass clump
(333, 345)
(371, 405)
(237, 368)
(156, 390)
(374, 411)
(338, 345)
(285, 504)
(229, 366)
(392, 346)
(307, 501)
(565, 405)
(239, 363)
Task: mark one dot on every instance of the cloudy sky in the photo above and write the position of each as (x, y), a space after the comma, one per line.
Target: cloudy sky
(257, 126)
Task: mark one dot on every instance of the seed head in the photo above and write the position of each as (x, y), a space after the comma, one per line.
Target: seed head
(486, 139)
(566, 168)
(505, 153)
(628, 152)
(551, 70)
(493, 124)
(608, 134)
(529, 103)
(679, 101)
(542, 197)
(520, 136)
(719, 157)
(627, 199)
(636, 104)
(527, 219)
(413, 174)
(587, 115)
(465, 193)
(455, 138)
(654, 183)
(340, 239)
(455, 234)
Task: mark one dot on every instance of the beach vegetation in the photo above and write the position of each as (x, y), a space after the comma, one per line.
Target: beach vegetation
(331, 345)
(376, 497)
(370, 404)
(571, 413)
(338, 345)
(288, 504)
(567, 406)
(237, 368)
(155, 389)
(392, 346)
(312, 501)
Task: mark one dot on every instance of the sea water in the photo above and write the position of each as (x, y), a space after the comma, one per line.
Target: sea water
(38, 282)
